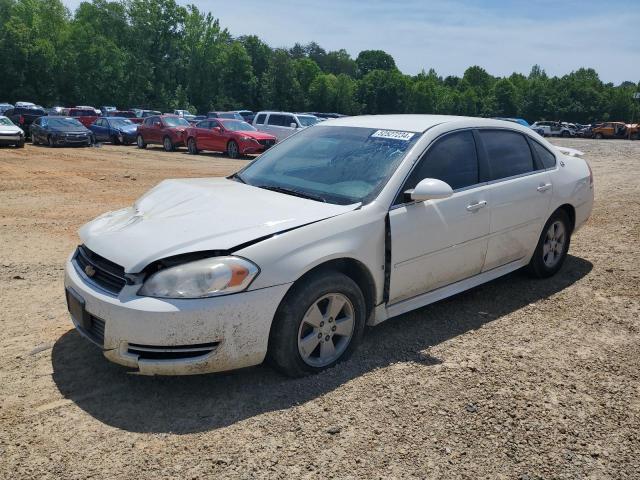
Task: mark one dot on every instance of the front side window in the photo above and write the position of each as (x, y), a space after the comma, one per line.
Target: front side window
(452, 159)
(547, 158)
(307, 120)
(508, 153)
(341, 165)
(260, 119)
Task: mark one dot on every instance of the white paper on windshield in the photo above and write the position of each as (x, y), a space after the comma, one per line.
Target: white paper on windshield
(394, 135)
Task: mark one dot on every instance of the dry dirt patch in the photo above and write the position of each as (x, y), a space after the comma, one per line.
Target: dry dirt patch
(515, 379)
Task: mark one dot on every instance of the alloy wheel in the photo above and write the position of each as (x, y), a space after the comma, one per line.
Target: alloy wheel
(326, 330)
(554, 242)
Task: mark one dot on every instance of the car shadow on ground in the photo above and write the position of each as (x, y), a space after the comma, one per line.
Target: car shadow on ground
(205, 402)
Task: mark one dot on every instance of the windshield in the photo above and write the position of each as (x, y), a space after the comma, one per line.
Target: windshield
(307, 120)
(5, 121)
(231, 115)
(342, 165)
(64, 123)
(120, 122)
(83, 113)
(238, 126)
(175, 122)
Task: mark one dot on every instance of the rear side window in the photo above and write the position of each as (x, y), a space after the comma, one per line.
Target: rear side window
(276, 120)
(451, 159)
(260, 118)
(547, 158)
(508, 153)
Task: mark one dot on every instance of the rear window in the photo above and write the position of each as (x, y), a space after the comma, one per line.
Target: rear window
(508, 153)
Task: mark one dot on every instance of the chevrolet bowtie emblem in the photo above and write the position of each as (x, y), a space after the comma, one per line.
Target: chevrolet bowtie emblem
(90, 271)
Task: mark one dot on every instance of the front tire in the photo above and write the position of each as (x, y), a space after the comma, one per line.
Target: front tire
(192, 146)
(552, 247)
(319, 323)
(50, 141)
(20, 143)
(599, 136)
(232, 149)
(115, 140)
(167, 144)
(140, 142)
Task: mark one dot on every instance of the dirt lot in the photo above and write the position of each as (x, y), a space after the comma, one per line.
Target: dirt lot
(517, 379)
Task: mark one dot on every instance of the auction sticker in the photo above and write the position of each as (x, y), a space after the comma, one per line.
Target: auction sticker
(393, 134)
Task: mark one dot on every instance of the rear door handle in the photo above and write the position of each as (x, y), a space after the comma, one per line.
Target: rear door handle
(544, 188)
(476, 206)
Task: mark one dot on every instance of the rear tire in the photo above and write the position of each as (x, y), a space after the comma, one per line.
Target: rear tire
(305, 320)
(232, 149)
(50, 141)
(598, 136)
(566, 134)
(552, 247)
(140, 142)
(167, 144)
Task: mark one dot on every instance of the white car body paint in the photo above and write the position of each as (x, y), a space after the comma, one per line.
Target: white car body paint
(10, 133)
(438, 247)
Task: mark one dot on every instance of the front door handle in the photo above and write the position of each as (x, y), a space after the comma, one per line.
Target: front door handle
(544, 187)
(476, 206)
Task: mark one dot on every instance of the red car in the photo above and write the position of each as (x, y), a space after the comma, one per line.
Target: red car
(166, 130)
(234, 137)
(86, 116)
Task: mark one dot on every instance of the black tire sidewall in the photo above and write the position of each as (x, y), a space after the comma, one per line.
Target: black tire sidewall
(536, 266)
(283, 340)
(237, 149)
(140, 142)
(164, 144)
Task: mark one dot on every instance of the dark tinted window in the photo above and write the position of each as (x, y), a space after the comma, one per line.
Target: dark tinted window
(547, 158)
(277, 120)
(451, 159)
(261, 118)
(508, 153)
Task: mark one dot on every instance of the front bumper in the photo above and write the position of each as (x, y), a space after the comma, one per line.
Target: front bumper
(10, 138)
(214, 334)
(71, 140)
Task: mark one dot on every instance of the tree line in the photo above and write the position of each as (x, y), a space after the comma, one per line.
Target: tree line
(158, 54)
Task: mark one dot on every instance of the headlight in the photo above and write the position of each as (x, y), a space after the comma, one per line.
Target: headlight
(248, 139)
(203, 278)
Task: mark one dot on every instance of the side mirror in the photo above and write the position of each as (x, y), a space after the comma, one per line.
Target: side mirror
(293, 125)
(430, 189)
(216, 129)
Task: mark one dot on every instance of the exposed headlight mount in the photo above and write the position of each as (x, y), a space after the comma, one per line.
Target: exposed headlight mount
(209, 277)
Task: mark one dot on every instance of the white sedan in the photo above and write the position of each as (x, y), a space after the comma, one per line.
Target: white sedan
(10, 134)
(350, 222)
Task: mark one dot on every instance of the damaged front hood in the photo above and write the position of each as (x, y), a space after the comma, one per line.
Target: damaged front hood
(192, 215)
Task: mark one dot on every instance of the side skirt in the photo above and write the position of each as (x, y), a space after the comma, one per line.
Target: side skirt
(385, 312)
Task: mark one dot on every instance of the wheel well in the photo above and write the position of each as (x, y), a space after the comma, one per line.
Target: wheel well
(571, 213)
(357, 272)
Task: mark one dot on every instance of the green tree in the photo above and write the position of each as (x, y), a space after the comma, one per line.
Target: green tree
(383, 91)
(370, 60)
(280, 87)
(237, 82)
(505, 98)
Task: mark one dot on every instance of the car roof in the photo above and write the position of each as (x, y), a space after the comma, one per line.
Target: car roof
(420, 123)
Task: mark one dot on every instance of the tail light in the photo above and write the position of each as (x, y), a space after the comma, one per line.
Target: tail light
(21, 119)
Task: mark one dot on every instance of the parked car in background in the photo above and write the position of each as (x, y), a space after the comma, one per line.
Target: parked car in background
(10, 133)
(553, 129)
(4, 107)
(129, 114)
(85, 115)
(282, 124)
(325, 116)
(584, 131)
(235, 137)
(23, 117)
(22, 104)
(247, 115)
(147, 113)
(524, 123)
(166, 130)
(229, 115)
(58, 110)
(55, 131)
(117, 130)
(352, 222)
(619, 130)
(107, 108)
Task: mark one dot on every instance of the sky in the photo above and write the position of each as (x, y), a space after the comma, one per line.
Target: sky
(500, 36)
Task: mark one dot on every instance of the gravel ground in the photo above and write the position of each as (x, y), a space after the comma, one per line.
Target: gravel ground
(517, 379)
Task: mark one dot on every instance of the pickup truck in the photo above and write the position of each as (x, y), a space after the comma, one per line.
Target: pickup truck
(23, 117)
(616, 130)
(86, 116)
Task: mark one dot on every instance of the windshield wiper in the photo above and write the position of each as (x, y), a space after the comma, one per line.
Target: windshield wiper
(295, 193)
(236, 176)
